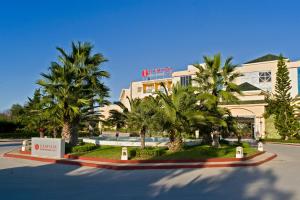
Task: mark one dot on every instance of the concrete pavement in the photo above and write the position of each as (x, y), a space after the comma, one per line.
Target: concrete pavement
(278, 179)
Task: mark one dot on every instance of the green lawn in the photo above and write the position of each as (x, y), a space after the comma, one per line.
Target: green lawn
(205, 151)
(196, 152)
(112, 152)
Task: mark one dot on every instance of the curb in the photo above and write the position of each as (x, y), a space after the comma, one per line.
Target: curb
(137, 167)
(290, 144)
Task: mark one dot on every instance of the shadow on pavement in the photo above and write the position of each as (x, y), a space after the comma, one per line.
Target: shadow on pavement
(9, 144)
(56, 181)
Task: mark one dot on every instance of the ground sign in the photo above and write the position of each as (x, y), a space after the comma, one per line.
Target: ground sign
(48, 147)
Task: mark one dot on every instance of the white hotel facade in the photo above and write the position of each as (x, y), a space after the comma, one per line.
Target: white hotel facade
(259, 75)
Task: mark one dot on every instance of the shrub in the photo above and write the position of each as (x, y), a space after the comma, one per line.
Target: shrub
(83, 148)
(68, 148)
(133, 134)
(8, 126)
(19, 135)
(226, 142)
(132, 153)
(149, 152)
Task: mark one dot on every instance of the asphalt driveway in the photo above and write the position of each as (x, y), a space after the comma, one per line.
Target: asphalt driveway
(275, 180)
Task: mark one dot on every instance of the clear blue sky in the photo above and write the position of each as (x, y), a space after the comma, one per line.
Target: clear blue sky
(138, 34)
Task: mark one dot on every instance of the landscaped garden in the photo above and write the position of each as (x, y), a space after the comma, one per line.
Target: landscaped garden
(161, 153)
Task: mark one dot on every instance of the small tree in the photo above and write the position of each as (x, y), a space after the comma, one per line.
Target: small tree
(178, 114)
(140, 115)
(117, 117)
(285, 122)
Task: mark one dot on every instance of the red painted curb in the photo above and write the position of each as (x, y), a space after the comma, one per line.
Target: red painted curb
(106, 166)
(25, 152)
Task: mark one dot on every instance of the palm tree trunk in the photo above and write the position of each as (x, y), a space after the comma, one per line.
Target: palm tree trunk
(239, 139)
(69, 133)
(42, 134)
(143, 135)
(176, 143)
(207, 139)
(215, 139)
(66, 132)
(54, 132)
(74, 135)
(172, 136)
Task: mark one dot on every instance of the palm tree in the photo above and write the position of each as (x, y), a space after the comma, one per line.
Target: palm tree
(141, 114)
(74, 87)
(214, 83)
(117, 118)
(179, 114)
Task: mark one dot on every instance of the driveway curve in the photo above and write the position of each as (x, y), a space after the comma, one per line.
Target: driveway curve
(275, 180)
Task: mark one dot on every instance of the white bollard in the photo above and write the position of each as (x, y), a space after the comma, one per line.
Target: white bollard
(25, 143)
(23, 148)
(197, 134)
(239, 152)
(260, 146)
(124, 155)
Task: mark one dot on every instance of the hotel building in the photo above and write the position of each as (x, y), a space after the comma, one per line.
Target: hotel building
(259, 76)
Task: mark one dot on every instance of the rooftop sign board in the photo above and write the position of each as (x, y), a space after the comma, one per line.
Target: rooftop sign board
(157, 73)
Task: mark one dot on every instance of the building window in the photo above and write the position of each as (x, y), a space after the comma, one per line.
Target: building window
(161, 89)
(139, 89)
(149, 89)
(185, 80)
(264, 77)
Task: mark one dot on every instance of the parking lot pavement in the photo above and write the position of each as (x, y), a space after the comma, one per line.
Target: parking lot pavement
(277, 179)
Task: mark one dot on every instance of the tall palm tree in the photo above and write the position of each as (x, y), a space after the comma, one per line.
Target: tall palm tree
(214, 83)
(179, 113)
(74, 85)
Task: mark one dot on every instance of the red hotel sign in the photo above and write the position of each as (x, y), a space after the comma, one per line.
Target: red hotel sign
(45, 147)
(48, 147)
(164, 71)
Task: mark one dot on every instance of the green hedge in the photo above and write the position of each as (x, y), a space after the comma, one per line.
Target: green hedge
(8, 126)
(19, 135)
(147, 153)
(83, 148)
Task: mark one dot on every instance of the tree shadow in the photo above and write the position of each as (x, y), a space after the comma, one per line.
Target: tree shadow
(57, 181)
(239, 183)
(9, 144)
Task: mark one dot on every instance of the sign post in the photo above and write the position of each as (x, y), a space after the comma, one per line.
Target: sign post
(48, 147)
